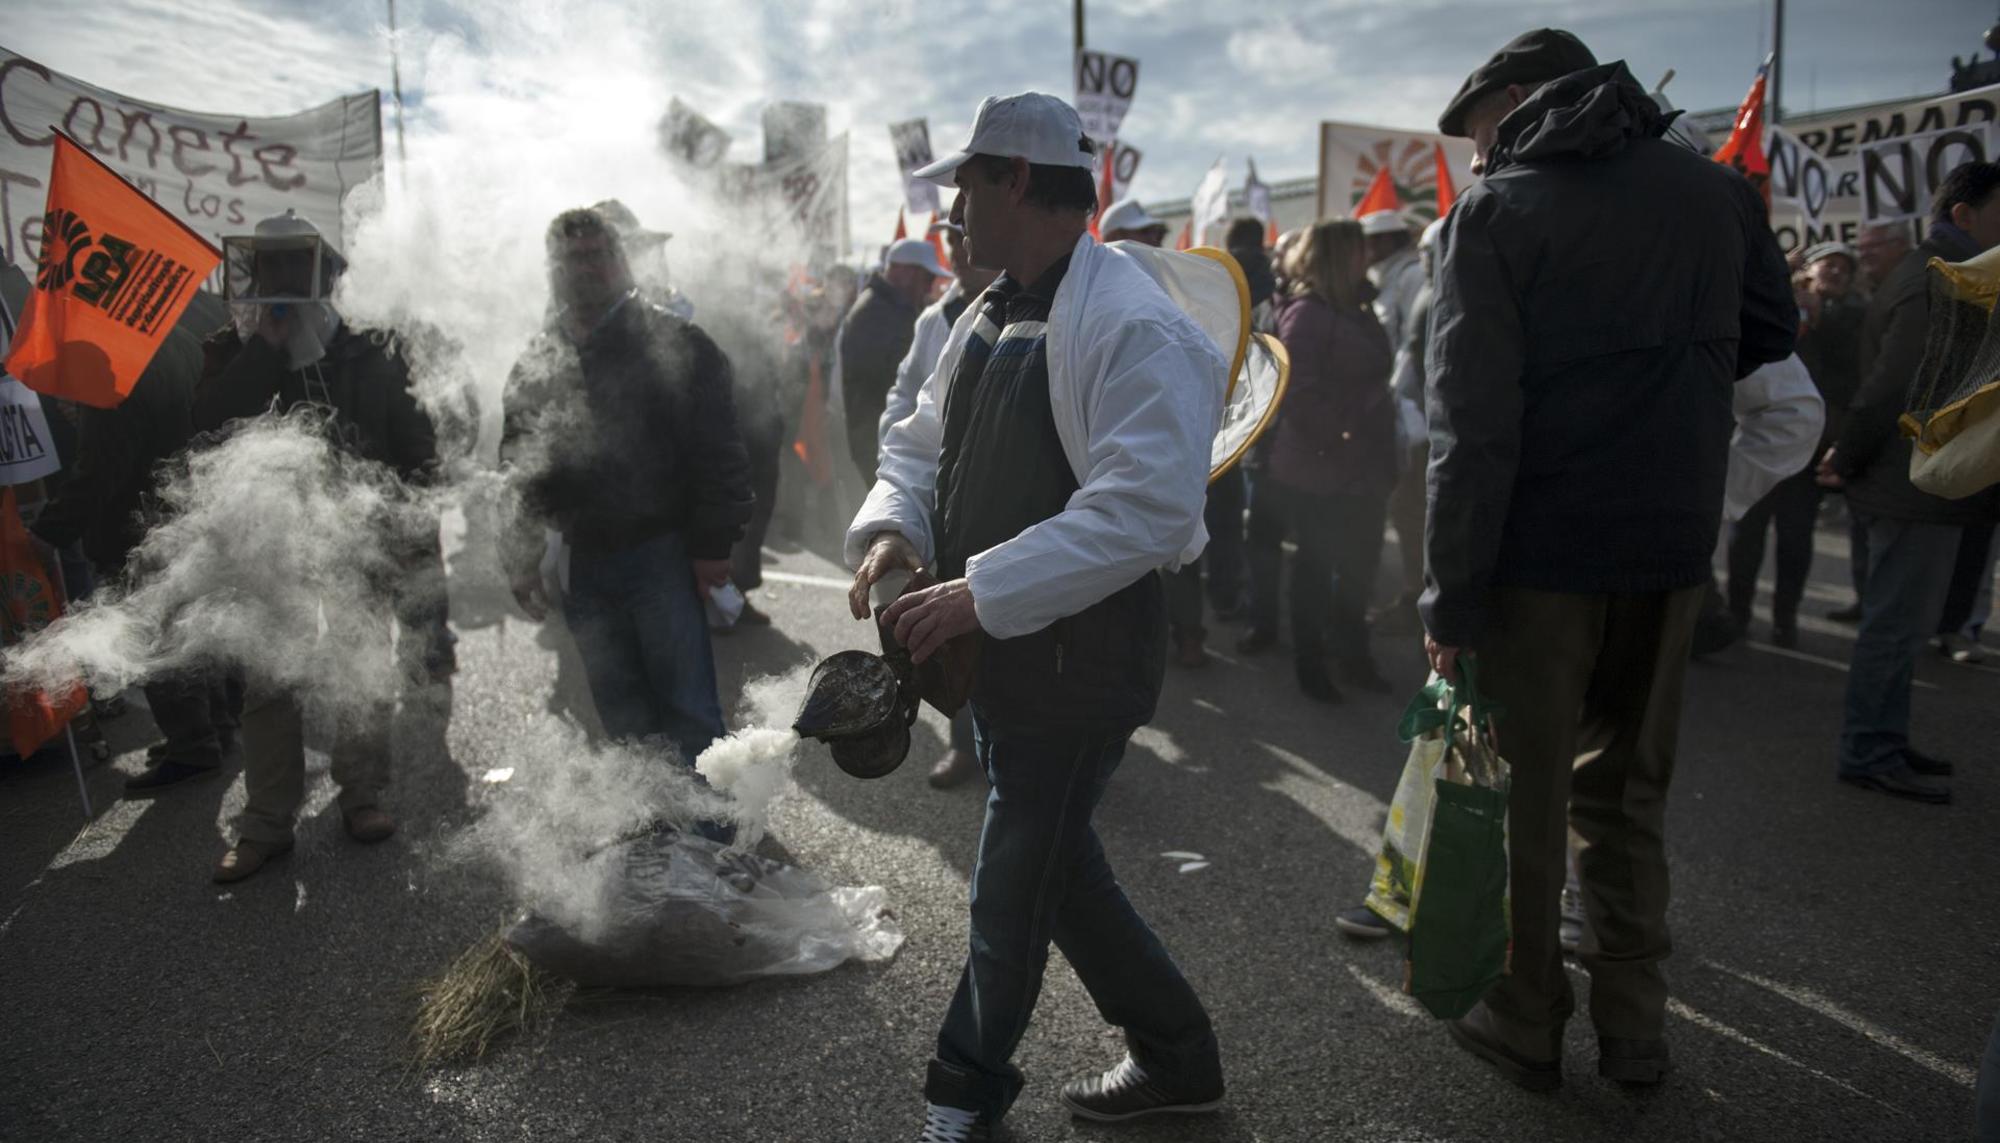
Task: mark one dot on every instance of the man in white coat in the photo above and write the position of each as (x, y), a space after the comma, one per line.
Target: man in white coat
(1056, 458)
(960, 761)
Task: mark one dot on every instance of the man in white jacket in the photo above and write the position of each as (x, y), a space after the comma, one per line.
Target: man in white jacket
(1056, 458)
(960, 761)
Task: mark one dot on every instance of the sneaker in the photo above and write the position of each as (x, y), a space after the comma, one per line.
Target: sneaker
(1362, 922)
(164, 775)
(1902, 782)
(1849, 614)
(954, 1125)
(1959, 649)
(1125, 1092)
(1573, 920)
(953, 769)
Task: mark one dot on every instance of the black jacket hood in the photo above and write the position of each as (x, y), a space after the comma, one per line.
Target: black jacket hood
(1588, 114)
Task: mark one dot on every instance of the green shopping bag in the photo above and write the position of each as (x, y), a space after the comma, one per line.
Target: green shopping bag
(1441, 874)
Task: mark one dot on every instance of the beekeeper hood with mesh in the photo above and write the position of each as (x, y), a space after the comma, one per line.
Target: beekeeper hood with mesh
(280, 278)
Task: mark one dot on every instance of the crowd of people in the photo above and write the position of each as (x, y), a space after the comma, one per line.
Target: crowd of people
(1544, 425)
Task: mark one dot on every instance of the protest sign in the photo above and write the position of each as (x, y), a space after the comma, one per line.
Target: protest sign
(1350, 154)
(1105, 85)
(219, 174)
(912, 140)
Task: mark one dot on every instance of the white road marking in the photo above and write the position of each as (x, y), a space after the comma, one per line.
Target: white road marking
(1821, 660)
(1394, 999)
(101, 836)
(1353, 814)
(1807, 998)
(1709, 1024)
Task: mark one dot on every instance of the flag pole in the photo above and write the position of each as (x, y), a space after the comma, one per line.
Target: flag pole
(69, 724)
(396, 90)
(1777, 58)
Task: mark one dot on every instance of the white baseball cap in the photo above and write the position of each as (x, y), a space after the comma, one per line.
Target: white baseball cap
(915, 252)
(1384, 222)
(1126, 214)
(1039, 128)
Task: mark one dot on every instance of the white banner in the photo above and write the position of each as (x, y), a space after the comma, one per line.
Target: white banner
(1257, 196)
(1124, 165)
(795, 207)
(1105, 85)
(1800, 179)
(689, 136)
(219, 174)
(1210, 203)
(1905, 138)
(1350, 154)
(912, 140)
(27, 451)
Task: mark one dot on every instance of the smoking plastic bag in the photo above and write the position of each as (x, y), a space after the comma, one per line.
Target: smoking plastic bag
(667, 908)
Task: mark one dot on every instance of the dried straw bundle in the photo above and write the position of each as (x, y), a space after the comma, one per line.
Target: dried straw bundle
(491, 990)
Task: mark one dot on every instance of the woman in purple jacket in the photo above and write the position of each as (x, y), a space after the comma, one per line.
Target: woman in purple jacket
(1332, 464)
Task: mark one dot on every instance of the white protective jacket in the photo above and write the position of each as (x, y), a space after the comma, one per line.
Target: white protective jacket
(1779, 419)
(926, 343)
(1136, 388)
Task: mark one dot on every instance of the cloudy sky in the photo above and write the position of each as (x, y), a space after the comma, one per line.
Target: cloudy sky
(1216, 79)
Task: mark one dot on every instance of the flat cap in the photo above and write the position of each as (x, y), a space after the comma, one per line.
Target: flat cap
(1530, 59)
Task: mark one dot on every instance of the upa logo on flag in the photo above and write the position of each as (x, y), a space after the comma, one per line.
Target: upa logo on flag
(115, 273)
(132, 284)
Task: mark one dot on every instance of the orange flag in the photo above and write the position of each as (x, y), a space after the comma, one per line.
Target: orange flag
(1446, 193)
(1186, 240)
(1381, 195)
(30, 604)
(116, 271)
(936, 236)
(1745, 148)
(1270, 234)
(902, 231)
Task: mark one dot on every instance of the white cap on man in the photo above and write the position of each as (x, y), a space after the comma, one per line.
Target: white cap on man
(1384, 222)
(1126, 214)
(1039, 128)
(915, 252)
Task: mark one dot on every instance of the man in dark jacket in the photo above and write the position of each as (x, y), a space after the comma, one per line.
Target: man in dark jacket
(875, 338)
(300, 354)
(1580, 377)
(102, 504)
(1912, 536)
(622, 435)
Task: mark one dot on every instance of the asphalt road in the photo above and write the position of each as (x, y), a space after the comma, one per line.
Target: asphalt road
(1835, 971)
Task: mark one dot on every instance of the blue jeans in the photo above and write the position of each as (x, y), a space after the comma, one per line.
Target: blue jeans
(1909, 567)
(1042, 876)
(643, 635)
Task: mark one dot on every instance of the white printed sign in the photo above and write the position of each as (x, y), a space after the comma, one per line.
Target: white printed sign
(27, 451)
(912, 140)
(219, 174)
(1350, 154)
(1105, 85)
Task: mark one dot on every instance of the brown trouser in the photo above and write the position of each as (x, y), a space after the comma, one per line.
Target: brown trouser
(1591, 687)
(1406, 515)
(274, 766)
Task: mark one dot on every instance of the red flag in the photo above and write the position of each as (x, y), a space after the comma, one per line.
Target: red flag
(936, 235)
(1271, 234)
(902, 231)
(115, 273)
(30, 604)
(1186, 240)
(1745, 148)
(1446, 193)
(1381, 195)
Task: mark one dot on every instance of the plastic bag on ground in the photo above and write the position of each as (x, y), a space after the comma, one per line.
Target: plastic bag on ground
(668, 909)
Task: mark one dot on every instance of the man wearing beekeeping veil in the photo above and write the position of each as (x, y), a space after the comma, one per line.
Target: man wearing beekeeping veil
(1056, 458)
(288, 348)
